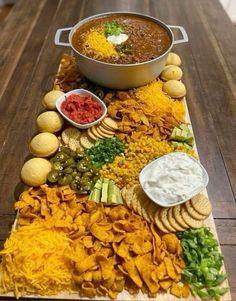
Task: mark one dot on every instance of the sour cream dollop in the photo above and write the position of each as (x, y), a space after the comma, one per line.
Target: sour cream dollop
(173, 179)
(117, 40)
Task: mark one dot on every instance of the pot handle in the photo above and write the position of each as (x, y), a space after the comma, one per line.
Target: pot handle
(58, 35)
(183, 32)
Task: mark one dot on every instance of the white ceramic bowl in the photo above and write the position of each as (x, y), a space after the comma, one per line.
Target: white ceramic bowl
(82, 93)
(145, 176)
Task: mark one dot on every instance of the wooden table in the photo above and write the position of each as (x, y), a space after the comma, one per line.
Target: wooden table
(29, 61)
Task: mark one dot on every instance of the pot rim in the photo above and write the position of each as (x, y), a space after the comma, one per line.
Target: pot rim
(80, 23)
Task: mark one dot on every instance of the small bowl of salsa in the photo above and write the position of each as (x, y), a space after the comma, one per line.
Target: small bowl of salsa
(81, 108)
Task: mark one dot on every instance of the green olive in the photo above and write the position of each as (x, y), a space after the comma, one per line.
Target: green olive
(53, 176)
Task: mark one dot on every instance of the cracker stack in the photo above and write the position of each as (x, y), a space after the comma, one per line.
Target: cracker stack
(174, 219)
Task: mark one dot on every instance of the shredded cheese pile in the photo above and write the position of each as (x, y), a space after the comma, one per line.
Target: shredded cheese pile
(98, 43)
(155, 98)
(34, 261)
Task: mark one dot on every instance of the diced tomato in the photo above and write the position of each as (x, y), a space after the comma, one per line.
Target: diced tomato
(81, 109)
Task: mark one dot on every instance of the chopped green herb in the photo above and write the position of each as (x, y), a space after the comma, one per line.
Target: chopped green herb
(113, 28)
(105, 150)
(204, 262)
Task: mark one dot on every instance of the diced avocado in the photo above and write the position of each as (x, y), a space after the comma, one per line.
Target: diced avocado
(119, 196)
(184, 126)
(182, 134)
(178, 135)
(185, 134)
(178, 143)
(98, 184)
(111, 191)
(91, 196)
(97, 195)
(190, 141)
(105, 190)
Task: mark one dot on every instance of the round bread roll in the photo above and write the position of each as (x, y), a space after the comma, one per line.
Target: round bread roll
(171, 72)
(34, 172)
(174, 89)
(49, 100)
(44, 145)
(50, 121)
(173, 59)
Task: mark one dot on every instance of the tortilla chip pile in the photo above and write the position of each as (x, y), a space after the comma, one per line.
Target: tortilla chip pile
(112, 249)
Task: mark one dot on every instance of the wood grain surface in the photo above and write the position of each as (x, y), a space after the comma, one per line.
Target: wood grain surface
(29, 60)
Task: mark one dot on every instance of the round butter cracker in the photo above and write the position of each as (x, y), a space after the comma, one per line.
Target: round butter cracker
(152, 209)
(100, 132)
(110, 123)
(68, 133)
(173, 221)
(91, 135)
(201, 204)
(193, 212)
(164, 219)
(85, 141)
(159, 223)
(178, 217)
(144, 211)
(193, 223)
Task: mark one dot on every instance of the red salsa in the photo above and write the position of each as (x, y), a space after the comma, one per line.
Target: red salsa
(81, 109)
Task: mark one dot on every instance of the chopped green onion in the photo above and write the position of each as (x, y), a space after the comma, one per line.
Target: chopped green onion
(204, 262)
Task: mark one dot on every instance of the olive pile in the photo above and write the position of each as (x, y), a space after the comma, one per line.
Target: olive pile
(73, 168)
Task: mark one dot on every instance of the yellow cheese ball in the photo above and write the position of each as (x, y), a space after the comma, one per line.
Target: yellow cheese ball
(173, 59)
(34, 172)
(50, 121)
(49, 100)
(174, 89)
(44, 145)
(171, 72)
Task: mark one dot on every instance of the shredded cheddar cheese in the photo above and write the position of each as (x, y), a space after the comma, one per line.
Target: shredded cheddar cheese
(34, 261)
(154, 97)
(98, 43)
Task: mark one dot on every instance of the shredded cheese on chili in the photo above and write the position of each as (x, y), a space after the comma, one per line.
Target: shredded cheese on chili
(34, 261)
(98, 43)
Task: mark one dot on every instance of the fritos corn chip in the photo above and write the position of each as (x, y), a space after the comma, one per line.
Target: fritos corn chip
(112, 248)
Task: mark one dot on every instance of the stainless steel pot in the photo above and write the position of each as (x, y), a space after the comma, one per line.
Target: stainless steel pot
(121, 76)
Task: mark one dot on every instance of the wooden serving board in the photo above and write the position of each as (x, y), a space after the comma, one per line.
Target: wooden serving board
(125, 296)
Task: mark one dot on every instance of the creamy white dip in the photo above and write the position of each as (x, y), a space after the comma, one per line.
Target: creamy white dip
(117, 40)
(173, 178)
